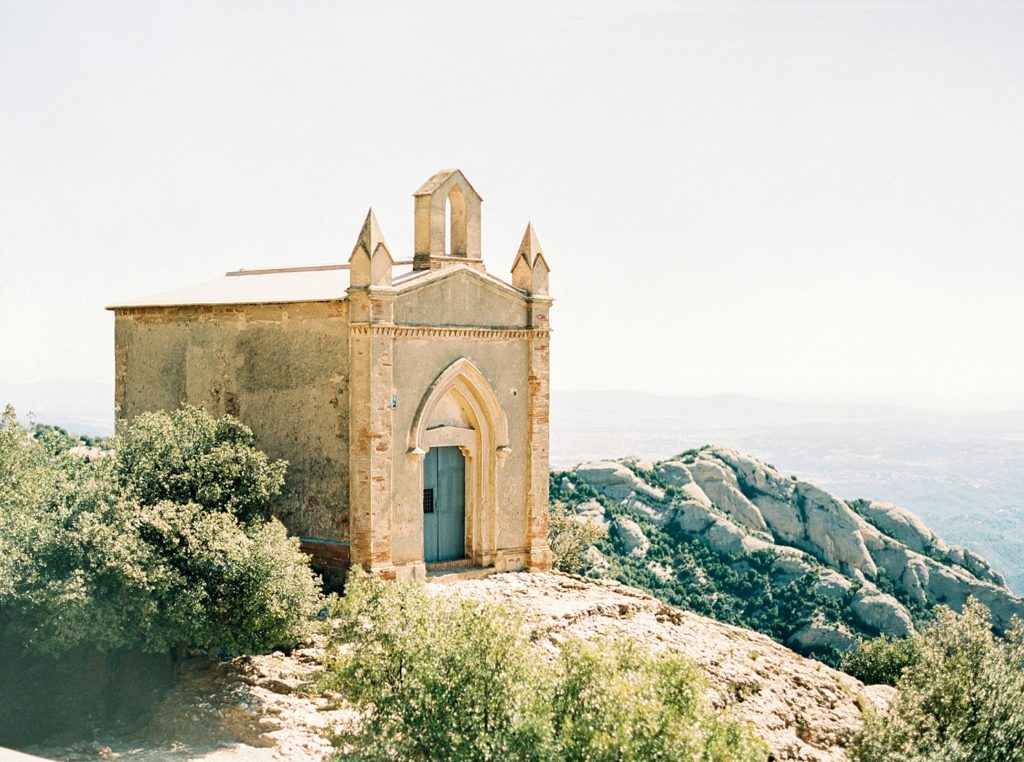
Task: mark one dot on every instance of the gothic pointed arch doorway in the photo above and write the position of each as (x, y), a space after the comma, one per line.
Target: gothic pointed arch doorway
(459, 432)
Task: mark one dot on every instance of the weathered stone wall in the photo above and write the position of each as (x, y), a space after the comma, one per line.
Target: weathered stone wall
(400, 344)
(502, 358)
(280, 368)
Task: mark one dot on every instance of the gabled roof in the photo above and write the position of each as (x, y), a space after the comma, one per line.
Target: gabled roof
(322, 283)
(273, 286)
(439, 178)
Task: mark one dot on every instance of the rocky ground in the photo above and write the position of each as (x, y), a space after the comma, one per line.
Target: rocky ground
(259, 708)
(249, 708)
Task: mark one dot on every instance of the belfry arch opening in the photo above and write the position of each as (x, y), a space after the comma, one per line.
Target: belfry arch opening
(447, 222)
(455, 222)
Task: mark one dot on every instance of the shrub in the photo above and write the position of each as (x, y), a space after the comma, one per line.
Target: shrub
(881, 661)
(569, 537)
(961, 699)
(190, 457)
(439, 679)
(614, 701)
(88, 559)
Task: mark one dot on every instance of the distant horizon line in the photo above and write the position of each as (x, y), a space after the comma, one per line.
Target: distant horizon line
(665, 395)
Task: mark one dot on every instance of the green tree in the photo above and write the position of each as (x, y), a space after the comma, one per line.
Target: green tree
(569, 537)
(86, 558)
(960, 700)
(881, 661)
(190, 457)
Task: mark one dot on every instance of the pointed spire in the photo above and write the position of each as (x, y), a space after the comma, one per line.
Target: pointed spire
(370, 263)
(530, 247)
(530, 269)
(369, 235)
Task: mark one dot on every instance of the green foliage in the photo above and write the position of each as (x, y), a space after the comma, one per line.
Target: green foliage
(569, 538)
(441, 678)
(85, 559)
(189, 456)
(881, 661)
(961, 699)
(54, 438)
(57, 438)
(613, 701)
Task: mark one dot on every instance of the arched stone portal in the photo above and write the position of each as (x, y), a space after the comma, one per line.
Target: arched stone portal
(460, 409)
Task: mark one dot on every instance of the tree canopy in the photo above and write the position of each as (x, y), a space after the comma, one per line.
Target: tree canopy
(162, 541)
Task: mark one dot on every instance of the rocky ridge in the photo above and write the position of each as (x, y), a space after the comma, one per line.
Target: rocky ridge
(879, 560)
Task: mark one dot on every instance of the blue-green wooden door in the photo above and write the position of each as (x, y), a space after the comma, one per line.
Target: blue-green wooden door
(444, 504)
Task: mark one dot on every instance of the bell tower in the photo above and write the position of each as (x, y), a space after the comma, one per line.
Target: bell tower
(447, 222)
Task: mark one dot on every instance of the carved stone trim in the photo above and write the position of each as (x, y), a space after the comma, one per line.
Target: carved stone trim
(443, 332)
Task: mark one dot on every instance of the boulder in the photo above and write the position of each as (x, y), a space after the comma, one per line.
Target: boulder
(720, 485)
(674, 473)
(881, 613)
(900, 524)
(659, 513)
(616, 481)
(694, 517)
(595, 559)
(755, 475)
(727, 537)
(832, 584)
(834, 531)
(789, 566)
(784, 519)
(636, 463)
(914, 579)
(821, 636)
(980, 568)
(632, 537)
(593, 511)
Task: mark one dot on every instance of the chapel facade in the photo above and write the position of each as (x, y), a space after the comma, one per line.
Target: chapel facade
(408, 395)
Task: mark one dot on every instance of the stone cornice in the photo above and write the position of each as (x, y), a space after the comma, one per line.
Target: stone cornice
(446, 332)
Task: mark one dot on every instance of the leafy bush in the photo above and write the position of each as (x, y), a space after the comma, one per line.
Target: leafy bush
(961, 699)
(441, 678)
(189, 456)
(55, 438)
(569, 537)
(87, 557)
(613, 702)
(881, 661)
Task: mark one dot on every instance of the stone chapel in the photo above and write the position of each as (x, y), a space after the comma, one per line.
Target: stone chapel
(408, 395)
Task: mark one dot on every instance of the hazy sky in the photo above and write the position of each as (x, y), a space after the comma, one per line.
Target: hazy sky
(803, 200)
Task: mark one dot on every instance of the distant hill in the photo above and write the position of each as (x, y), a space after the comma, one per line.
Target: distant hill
(962, 474)
(727, 536)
